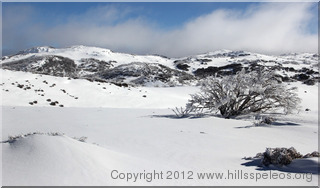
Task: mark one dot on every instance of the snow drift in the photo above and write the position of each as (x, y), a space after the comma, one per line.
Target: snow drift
(41, 159)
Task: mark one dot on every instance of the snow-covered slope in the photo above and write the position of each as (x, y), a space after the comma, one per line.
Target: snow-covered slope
(94, 63)
(43, 159)
(133, 140)
(27, 89)
(77, 53)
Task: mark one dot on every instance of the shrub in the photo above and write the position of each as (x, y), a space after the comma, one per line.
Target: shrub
(256, 91)
(81, 139)
(262, 120)
(183, 112)
(280, 156)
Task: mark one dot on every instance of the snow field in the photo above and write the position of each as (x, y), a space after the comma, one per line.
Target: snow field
(131, 133)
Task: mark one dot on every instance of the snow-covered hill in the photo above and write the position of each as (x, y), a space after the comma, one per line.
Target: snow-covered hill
(27, 89)
(102, 64)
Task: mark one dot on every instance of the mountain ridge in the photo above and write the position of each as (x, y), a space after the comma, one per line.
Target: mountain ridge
(102, 64)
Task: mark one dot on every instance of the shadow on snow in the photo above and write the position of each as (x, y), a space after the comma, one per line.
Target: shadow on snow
(296, 166)
(273, 124)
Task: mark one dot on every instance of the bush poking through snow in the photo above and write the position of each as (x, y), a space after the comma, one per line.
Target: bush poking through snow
(12, 139)
(81, 139)
(268, 120)
(256, 91)
(313, 154)
(280, 156)
(262, 120)
(54, 134)
(183, 112)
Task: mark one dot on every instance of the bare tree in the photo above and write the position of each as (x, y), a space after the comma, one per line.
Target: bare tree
(244, 93)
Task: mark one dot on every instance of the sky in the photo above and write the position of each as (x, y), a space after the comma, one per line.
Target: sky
(170, 29)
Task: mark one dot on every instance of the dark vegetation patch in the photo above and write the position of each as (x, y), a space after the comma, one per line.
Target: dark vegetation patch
(54, 65)
(230, 69)
(143, 73)
(95, 65)
(280, 156)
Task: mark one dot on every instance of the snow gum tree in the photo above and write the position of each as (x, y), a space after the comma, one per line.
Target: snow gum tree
(256, 91)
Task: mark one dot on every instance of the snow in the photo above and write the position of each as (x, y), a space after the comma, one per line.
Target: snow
(131, 133)
(76, 53)
(83, 93)
(217, 58)
(133, 129)
(149, 142)
(72, 159)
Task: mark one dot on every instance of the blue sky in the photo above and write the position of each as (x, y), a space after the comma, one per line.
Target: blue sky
(172, 29)
(166, 15)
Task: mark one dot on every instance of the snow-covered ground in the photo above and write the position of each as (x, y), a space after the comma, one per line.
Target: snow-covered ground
(83, 93)
(132, 130)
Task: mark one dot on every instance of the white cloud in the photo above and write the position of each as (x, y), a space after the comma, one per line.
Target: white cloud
(272, 28)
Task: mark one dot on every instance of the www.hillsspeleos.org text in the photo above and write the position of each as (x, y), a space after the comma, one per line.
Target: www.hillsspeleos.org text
(190, 175)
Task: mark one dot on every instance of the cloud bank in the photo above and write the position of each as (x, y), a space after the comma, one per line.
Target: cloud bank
(271, 28)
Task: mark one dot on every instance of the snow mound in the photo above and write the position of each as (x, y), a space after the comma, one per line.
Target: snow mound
(41, 159)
